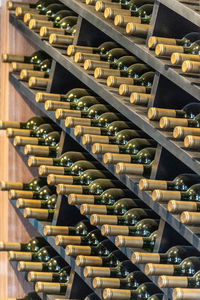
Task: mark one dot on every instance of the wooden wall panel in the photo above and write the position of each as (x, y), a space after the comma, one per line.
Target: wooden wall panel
(12, 167)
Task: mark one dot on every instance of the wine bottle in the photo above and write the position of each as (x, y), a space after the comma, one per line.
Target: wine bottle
(43, 193)
(51, 288)
(136, 29)
(121, 138)
(53, 13)
(190, 67)
(110, 130)
(100, 6)
(167, 50)
(184, 294)
(42, 255)
(192, 194)
(39, 214)
(142, 228)
(49, 203)
(185, 41)
(93, 238)
(11, 5)
(41, 71)
(175, 255)
(75, 169)
(101, 49)
(144, 156)
(104, 69)
(132, 147)
(40, 131)
(96, 187)
(123, 20)
(131, 217)
(82, 228)
(65, 160)
(189, 111)
(102, 249)
(188, 267)
(102, 121)
(51, 139)
(120, 271)
(111, 56)
(31, 124)
(84, 179)
(178, 58)
(142, 11)
(179, 281)
(180, 206)
(181, 182)
(144, 291)
(46, 151)
(131, 281)
(59, 40)
(54, 264)
(190, 136)
(135, 169)
(83, 103)
(32, 246)
(111, 260)
(108, 197)
(36, 58)
(170, 123)
(190, 218)
(72, 96)
(127, 89)
(93, 112)
(122, 76)
(140, 99)
(146, 243)
(33, 185)
(145, 79)
(62, 276)
(60, 27)
(120, 207)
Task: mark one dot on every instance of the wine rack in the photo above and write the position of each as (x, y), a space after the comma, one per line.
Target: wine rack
(170, 90)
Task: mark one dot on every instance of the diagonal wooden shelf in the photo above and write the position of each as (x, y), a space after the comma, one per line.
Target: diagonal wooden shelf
(127, 180)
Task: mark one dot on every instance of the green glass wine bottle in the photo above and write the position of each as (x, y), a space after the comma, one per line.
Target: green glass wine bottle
(42, 255)
(131, 217)
(65, 160)
(31, 124)
(101, 49)
(62, 276)
(29, 203)
(143, 228)
(43, 193)
(33, 185)
(109, 197)
(84, 179)
(96, 187)
(179, 281)
(145, 79)
(32, 246)
(51, 139)
(36, 58)
(167, 50)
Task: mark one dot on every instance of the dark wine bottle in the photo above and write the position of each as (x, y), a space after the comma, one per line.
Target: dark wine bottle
(131, 281)
(175, 255)
(51, 288)
(32, 246)
(181, 183)
(101, 49)
(93, 238)
(33, 185)
(109, 197)
(188, 267)
(130, 218)
(65, 160)
(179, 281)
(120, 207)
(84, 179)
(167, 50)
(51, 139)
(120, 271)
(75, 169)
(42, 255)
(46, 151)
(29, 203)
(144, 80)
(144, 291)
(143, 228)
(62, 276)
(36, 58)
(31, 124)
(40, 131)
(96, 187)
(42, 70)
(72, 96)
(43, 193)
